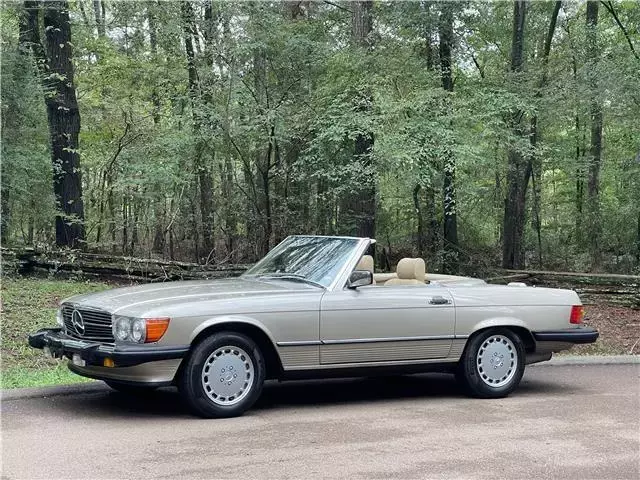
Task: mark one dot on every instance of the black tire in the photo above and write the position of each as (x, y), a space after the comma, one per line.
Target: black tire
(130, 389)
(475, 381)
(191, 383)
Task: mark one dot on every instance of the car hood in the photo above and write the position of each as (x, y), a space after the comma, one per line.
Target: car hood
(151, 297)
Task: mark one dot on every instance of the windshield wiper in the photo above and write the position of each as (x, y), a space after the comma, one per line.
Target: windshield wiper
(290, 276)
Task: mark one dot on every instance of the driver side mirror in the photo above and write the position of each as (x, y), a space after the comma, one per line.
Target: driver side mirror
(360, 278)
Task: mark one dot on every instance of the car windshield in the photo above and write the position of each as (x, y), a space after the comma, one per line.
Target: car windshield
(315, 260)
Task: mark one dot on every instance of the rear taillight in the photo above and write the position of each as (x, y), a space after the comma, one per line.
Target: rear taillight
(577, 314)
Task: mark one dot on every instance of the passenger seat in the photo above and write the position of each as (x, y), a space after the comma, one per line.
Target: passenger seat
(410, 271)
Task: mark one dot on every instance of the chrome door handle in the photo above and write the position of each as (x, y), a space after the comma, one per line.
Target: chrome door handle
(439, 301)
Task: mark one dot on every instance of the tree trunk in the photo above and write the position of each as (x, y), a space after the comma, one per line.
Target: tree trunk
(579, 157)
(4, 205)
(262, 156)
(536, 167)
(153, 43)
(64, 125)
(433, 226)
(361, 206)
(28, 39)
(421, 240)
(428, 30)
(159, 231)
(638, 241)
(98, 9)
(594, 222)
(203, 147)
(451, 261)
(83, 13)
(518, 169)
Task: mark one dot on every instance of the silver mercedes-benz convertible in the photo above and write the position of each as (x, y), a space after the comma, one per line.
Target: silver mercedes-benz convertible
(313, 307)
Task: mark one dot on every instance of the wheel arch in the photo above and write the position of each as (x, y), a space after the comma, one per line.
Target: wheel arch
(516, 325)
(249, 327)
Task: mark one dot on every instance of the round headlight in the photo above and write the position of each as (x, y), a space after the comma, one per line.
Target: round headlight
(122, 329)
(139, 330)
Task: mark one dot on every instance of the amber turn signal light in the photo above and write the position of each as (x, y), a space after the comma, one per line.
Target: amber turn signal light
(577, 314)
(156, 327)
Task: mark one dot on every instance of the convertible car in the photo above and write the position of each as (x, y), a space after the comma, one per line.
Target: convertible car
(313, 307)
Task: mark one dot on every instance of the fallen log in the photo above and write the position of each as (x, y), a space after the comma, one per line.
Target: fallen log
(140, 269)
(601, 288)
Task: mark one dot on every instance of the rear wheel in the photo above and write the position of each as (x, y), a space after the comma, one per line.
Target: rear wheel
(492, 364)
(223, 376)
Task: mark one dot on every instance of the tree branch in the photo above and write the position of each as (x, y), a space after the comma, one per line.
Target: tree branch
(611, 10)
(337, 6)
(478, 66)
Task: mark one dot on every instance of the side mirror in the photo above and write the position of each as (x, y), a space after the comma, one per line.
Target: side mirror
(360, 278)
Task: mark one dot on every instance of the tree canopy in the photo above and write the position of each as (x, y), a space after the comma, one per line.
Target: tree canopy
(473, 134)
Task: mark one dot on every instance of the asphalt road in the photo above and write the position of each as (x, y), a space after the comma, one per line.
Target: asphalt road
(575, 421)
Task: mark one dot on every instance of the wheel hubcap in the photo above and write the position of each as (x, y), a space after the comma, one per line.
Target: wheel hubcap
(497, 361)
(227, 375)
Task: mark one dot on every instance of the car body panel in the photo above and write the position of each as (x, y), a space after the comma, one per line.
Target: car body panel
(361, 325)
(312, 328)
(160, 372)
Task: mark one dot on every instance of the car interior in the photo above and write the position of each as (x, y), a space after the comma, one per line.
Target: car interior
(411, 271)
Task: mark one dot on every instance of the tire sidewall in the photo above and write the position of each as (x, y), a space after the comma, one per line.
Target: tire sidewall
(469, 372)
(191, 382)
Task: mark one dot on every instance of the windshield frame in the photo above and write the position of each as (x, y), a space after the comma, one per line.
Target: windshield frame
(343, 272)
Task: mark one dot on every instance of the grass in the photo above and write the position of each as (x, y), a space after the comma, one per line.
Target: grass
(55, 374)
(29, 304)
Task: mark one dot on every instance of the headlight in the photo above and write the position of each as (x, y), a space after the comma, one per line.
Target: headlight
(139, 330)
(60, 318)
(122, 328)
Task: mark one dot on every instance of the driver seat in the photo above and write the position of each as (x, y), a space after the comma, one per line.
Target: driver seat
(410, 271)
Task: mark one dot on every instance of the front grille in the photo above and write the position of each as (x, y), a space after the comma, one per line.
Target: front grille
(97, 324)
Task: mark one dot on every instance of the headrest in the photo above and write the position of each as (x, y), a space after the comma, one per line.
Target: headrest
(411, 269)
(365, 263)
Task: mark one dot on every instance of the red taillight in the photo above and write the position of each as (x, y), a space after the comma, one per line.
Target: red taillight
(577, 314)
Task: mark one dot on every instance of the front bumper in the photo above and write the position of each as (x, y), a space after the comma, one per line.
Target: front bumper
(94, 353)
(569, 335)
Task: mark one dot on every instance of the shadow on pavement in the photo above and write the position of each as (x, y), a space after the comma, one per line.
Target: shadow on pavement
(166, 402)
(353, 390)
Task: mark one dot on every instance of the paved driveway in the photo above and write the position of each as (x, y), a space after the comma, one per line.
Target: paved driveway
(575, 421)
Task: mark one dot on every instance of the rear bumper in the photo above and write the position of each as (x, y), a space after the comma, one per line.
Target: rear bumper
(93, 353)
(569, 335)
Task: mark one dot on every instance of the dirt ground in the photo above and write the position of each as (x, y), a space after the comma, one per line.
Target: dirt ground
(619, 329)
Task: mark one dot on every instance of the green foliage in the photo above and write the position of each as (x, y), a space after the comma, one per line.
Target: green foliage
(281, 97)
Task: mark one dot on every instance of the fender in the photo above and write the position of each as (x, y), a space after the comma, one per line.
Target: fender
(220, 320)
(499, 322)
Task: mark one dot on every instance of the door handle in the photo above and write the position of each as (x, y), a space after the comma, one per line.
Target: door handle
(439, 301)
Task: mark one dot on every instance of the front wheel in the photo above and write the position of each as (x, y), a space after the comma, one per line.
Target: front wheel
(223, 376)
(492, 364)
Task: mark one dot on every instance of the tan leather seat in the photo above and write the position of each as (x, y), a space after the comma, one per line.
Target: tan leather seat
(410, 271)
(366, 264)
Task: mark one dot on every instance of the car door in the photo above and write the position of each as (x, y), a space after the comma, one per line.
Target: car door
(386, 324)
